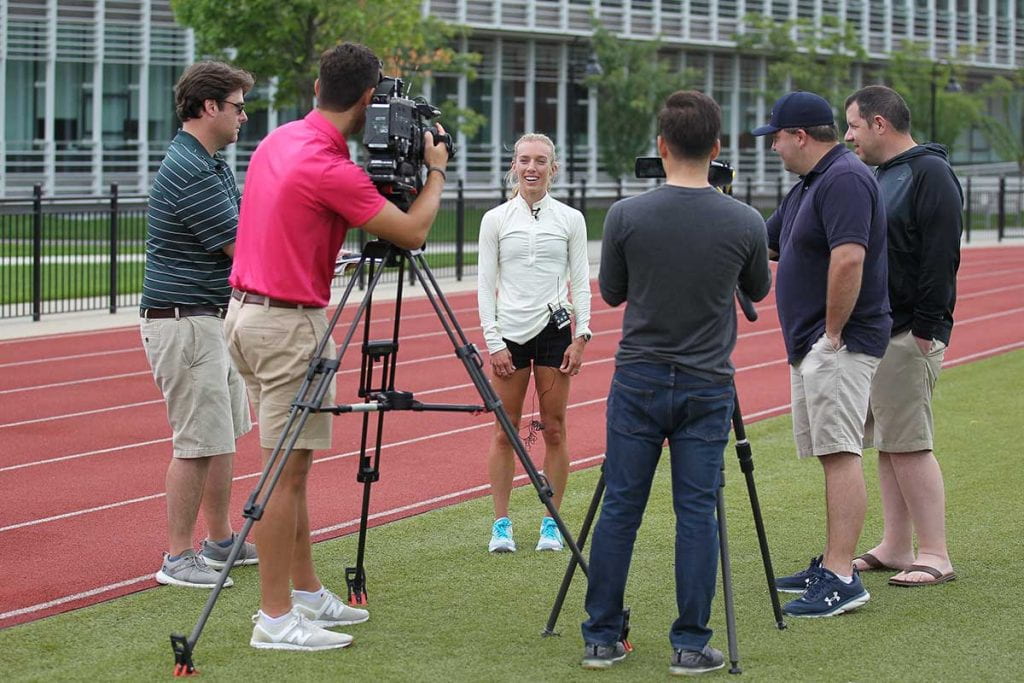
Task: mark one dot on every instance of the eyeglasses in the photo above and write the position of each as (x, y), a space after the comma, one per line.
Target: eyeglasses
(239, 106)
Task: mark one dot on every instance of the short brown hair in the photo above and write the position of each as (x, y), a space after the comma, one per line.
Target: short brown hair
(878, 100)
(346, 71)
(690, 123)
(207, 81)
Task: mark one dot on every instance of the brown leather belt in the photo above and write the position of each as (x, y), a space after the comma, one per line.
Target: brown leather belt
(181, 312)
(250, 298)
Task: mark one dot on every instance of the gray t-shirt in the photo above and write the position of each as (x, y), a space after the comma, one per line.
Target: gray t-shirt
(675, 256)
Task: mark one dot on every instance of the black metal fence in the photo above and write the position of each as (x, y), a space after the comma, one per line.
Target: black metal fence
(63, 254)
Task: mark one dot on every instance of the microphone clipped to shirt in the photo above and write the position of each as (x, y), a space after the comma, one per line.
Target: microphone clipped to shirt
(536, 213)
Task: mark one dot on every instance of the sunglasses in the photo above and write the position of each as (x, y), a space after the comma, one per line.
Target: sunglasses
(239, 106)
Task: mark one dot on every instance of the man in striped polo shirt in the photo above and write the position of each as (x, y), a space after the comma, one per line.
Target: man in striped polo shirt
(193, 217)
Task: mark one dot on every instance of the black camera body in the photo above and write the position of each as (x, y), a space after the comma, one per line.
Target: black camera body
(719, 175)
(393, 137)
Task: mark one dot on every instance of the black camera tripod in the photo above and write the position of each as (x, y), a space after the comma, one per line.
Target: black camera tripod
(745, 456)
(378, 399)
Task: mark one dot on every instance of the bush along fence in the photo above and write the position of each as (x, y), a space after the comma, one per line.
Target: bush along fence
(64, 254)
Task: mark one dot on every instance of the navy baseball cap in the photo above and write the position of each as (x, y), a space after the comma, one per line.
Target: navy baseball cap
(797, 110)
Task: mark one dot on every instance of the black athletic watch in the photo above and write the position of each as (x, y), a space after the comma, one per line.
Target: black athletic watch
(585, 336)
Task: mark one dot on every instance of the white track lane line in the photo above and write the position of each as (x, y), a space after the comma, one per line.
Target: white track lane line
(32, 609)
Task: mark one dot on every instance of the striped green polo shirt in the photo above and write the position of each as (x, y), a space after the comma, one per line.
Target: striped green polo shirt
(193, 215)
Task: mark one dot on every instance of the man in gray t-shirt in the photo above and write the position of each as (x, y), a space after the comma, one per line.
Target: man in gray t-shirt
(675, 255)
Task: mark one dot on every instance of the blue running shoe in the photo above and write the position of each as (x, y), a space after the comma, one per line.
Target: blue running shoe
(550, 538)
(828, 596)
(501, 537)
(797, 583)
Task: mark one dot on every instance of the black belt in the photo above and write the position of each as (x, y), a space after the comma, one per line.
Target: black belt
(181, 312)
(259, 299)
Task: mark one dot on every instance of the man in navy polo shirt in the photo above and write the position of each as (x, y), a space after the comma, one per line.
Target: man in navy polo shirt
(829, 237)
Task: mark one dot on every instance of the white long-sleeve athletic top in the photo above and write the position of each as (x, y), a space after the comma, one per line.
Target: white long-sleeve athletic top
(525, 260)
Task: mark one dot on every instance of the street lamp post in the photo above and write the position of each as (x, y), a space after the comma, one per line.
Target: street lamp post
(951, 86)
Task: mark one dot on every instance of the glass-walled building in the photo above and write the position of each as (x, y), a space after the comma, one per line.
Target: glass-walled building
(87, 84)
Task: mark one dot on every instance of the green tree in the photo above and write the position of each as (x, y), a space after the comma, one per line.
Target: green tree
(803, 56)
(633, 84)
(1005, 130)
(284, 40)
(915, 76)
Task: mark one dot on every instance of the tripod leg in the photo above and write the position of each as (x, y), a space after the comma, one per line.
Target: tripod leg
(745, 456)
(570, 571)
(727, 593)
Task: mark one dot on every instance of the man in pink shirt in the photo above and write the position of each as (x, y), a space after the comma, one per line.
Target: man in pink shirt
(302, 194)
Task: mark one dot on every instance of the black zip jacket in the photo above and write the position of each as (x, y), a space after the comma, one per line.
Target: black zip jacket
(923, 206)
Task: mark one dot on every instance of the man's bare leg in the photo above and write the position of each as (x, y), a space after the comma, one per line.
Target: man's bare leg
(846, 504)
(185, 483)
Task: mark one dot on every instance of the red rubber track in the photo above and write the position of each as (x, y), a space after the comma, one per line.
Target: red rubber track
(84, 439)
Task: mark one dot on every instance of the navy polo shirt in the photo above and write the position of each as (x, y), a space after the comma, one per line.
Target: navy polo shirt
(837, 202)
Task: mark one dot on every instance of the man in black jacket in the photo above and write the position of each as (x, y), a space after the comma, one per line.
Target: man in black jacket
(923, 203)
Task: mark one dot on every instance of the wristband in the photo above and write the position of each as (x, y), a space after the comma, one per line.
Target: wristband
(438, 170)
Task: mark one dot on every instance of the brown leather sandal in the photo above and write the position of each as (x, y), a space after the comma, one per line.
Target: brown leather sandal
(937, 576)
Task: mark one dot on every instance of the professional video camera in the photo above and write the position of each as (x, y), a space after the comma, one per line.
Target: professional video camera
(719, 175)
(394, 140)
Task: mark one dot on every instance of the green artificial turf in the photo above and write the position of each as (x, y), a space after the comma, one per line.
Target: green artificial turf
(444, 610)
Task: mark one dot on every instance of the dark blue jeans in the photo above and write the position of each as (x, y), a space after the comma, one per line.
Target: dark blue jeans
(649, 403)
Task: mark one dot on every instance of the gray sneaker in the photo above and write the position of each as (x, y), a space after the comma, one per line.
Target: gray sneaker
(328, 611)
(298, 633)
(217, 557)
(692, 662)
(189, 570)
(602, 656)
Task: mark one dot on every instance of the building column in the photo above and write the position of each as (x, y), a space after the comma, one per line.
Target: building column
(463, 100)
(3, 99)
(561, 110)
(530, 91)
(143, 127)
(592, 152)
(496, 112)
(49, 99)
(99, 22)
(734, 113)
(762, 80)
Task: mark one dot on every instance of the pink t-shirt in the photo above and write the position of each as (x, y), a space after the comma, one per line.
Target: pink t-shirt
(302, 194)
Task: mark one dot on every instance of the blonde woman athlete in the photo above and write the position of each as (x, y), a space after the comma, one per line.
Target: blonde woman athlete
(533, 248)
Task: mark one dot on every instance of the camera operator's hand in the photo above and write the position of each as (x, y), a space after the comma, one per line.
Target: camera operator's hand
(572, 360)
(435, 155)
(501, 363)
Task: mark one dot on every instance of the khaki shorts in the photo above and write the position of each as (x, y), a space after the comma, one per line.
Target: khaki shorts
(830, 399)
(900, 413)
(205, 396)
(272, 348)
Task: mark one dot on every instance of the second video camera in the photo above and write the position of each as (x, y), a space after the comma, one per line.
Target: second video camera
(719, 175)
(394, 140)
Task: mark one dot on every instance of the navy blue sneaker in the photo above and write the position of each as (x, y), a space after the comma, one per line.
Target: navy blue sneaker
(797, 583)
(828, 596)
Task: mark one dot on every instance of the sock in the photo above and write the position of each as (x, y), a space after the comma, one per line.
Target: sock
(225, 544)
(274, 621)
(308, 596)
(174, 558)
(844, 579)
